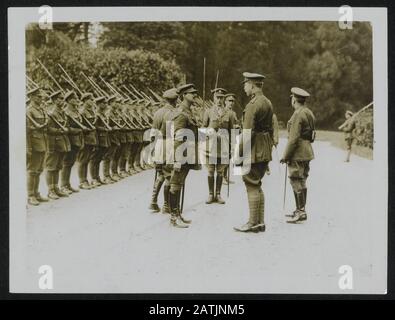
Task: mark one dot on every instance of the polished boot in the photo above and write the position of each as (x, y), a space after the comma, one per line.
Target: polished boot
(290, 215)
(211, 198)
(166, 206)
(155, 192)
(300, 215)
(174, 214)
(218, 185)
(180, 216)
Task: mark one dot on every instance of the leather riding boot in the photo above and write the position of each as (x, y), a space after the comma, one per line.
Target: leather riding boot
(166, 206)
(211, 198)
(155, 192)
(174, 219)
(300, 215)
(218, 185)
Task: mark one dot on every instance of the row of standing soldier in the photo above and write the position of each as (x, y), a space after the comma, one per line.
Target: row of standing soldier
(64, 129)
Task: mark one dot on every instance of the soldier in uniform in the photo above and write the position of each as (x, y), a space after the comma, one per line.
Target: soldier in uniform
(299, 152)
(348, 127)
(125, 139)
(217, 119)
(230, 99)
(163, 170)
(121, 138)
(104, 143)
(58, 145)
(76, 137)
(36, 122)
(183, 119)
(86, 154)
(114, 142)
(257, 116)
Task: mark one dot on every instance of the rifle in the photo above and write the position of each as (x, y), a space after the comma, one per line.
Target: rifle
(104, 121)
(57, 122)
(110, 87)
(130, 92)
(157, 96)
(49, 73)
(354, 115)
(73, 84)
(37, 125)
(94, 88)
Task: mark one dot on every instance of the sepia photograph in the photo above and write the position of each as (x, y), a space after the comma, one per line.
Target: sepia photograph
(198, 150)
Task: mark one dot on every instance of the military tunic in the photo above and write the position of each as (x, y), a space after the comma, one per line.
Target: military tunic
(36, 139)
(183, 119)
(299, 151)
(58, 140)
(257, 116)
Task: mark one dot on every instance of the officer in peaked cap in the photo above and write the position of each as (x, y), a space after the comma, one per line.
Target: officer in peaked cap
(299, 152)
(257, 116)
(218, 121)
(230, 99)
(163, 170)
(183, 119)
(36, 122)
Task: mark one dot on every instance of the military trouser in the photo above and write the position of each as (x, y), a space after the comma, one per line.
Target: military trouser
(255, 195)
(85, 155)
(115, 160)
(125, 153)
(132, 155)
(53, 164)
(68, 162)
(94, 163)
(34, 166)
(107, 158)
(298, 171)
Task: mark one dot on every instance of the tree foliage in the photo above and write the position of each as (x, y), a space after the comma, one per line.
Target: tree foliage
(119, 66)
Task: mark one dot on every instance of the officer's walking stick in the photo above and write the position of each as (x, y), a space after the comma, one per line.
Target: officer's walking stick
(182, 198)
(285, 186)
(228, 177)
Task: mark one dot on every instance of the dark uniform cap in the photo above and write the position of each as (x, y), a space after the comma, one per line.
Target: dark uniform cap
(100, 99)
(300, 93)
(186, 88)
(68, 95)
(111, 98)
(119, 99)
(170, 94)
(86, 96)
(125, 100)
(256, 77)
(219, 92)
(54, 94)
(230, 95)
